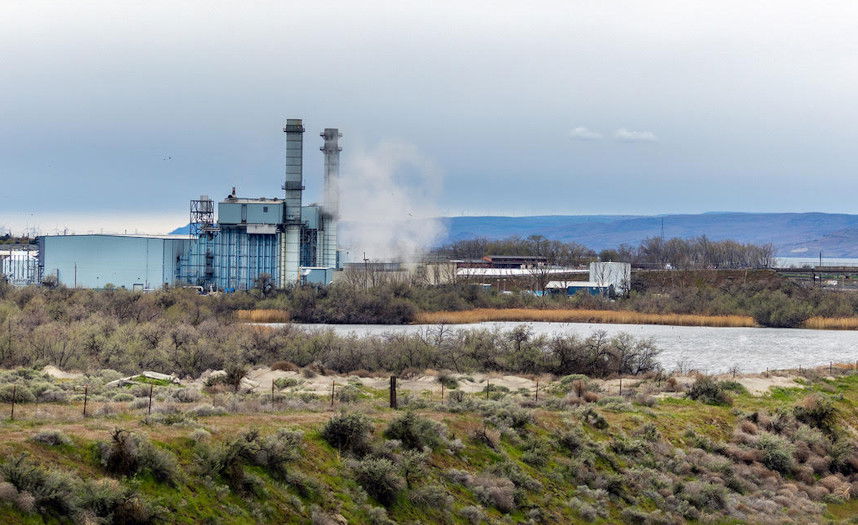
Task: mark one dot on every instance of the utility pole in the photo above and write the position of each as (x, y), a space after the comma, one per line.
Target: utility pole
(365, 271)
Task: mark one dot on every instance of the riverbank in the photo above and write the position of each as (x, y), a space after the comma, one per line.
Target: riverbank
(483, 315)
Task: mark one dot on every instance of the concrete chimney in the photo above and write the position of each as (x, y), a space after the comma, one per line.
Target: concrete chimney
(293, 186)
(331, 204)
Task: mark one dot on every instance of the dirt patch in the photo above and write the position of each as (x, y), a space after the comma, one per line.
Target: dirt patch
(56, 373)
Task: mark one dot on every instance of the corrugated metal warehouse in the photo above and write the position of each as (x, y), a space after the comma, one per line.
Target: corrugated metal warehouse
(140, 262)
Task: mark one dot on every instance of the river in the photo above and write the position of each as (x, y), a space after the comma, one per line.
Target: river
(707, 349)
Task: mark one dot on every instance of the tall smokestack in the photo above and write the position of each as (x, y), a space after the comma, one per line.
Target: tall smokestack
(332, 151)
(293, 187)
(294, 183)
(331, 203)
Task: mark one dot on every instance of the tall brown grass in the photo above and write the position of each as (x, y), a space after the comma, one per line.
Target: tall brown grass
(263, 316)
(832, 323)
(582, 316)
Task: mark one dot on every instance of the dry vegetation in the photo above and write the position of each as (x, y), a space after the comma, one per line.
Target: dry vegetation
(480, 315)
(263, 316)
(664, 452)
(832, 323)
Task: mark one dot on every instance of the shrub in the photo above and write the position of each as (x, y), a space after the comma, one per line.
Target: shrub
(348, 394)
(286, 382)
(707, 390)
(496, 491)
(348, 432)
(52, 438)
(473, 514)
(513, 416)
(206, 411)
(235, 372)
(777, 453)
(186, 395)
(818, 412)
(777, 310)
(128, 454)
(594, 419)
(286, 366)
(21, 392)
(456, 396)
(415, 432)
(379, 478)
(274, 451)
(448, 380)
(116, 504)
(53, 492)
(572, 440)
(431, 496)
(123, 397)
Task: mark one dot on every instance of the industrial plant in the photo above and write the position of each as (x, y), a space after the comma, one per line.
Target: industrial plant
(247, 239)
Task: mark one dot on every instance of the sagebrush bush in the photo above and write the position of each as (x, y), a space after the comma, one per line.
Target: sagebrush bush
(348, 432)
(128, 454)
(707, 390)
(817, 411)
(431, 496)
(415, 432)
(380, 478)
(21, 392)
(53, 492)
(777, 452)
(495, 491)
(53, 438)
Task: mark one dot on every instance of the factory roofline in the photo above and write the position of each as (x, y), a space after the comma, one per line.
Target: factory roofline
(137, 235)
(251, 200)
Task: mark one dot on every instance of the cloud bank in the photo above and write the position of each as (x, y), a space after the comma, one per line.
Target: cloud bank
(626, 135)
(582, 133)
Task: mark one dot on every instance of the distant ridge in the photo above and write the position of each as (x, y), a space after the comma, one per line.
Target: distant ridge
(792, 234)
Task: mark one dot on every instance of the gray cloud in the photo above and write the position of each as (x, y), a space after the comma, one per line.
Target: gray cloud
(582, 133)
(626, 135)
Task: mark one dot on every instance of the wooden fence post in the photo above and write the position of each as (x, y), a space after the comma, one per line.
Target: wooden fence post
(333, 391)
(14, 395)
(85, 398)
(488, 388)
(536, 393)
(393, 403)
(151, 387)
(442, 392)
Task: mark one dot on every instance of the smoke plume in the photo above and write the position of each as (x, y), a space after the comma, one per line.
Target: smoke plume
(388, 203)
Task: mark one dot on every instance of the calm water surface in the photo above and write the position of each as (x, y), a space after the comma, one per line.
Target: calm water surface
(703, 348)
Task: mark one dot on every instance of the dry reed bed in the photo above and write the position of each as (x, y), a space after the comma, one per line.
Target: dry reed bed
(582, 316)
(263, 316)
(832, 323)
(480, 315)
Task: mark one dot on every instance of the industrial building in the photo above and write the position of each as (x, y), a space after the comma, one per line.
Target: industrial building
(229, 247)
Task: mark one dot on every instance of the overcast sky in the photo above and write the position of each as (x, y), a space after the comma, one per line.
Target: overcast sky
(110, 108)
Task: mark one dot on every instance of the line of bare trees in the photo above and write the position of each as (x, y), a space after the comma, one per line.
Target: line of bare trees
(655, 252)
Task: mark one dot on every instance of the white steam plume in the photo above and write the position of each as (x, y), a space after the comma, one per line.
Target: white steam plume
(388, 203)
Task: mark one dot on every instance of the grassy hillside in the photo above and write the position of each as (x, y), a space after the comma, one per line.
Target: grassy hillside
(667, 451)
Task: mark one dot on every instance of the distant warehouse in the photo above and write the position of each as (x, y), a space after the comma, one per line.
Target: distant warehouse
(136, 262)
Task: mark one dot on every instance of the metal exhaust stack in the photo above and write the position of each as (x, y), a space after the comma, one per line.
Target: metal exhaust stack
(331, 203)
(294, 187)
